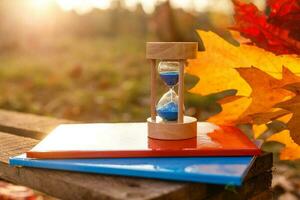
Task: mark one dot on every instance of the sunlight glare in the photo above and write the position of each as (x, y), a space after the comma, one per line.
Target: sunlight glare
(66, 4)
(83, 6)
(38, 10)
(187, 5)
(201, 5)
(40, 4)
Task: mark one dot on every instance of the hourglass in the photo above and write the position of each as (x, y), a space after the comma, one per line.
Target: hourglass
(167, 121)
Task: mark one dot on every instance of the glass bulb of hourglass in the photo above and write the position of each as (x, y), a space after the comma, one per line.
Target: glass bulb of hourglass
(169, 72)
(167, 107)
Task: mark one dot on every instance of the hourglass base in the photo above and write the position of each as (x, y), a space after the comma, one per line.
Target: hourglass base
(162, 130)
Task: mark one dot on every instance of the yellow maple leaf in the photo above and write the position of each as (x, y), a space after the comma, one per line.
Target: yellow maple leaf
(258, 130)
(216, 65)
(231, 111)
(285, 118)
(291, 150)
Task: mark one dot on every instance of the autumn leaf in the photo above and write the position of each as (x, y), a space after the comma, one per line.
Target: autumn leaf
(216, 65)
(258, 130)
(267, 91)
(285, 118)
(265, 117)
(291, 150)
(286, 14)
(293, 105)
(231, 112)
(260, 89)
(278, 32)
(257, 91)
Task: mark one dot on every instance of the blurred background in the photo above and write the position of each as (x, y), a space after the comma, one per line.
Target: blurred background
(85, 59)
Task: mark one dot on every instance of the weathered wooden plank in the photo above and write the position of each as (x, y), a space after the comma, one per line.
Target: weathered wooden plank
(28, 125)
(12, 145)
(266, 195)
(250, 188)
(69, 185)
(262, 163)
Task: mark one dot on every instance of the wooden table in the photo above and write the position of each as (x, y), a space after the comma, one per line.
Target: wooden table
(20, 132)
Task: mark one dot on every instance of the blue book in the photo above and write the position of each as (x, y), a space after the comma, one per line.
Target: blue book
(216, 170)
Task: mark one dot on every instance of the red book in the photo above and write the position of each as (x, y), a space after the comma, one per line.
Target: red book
(119, 140)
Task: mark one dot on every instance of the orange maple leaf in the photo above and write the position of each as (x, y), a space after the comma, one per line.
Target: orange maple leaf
(216, 65)
(267, 91)
(231, 111)
(293, 105)
(223, 66)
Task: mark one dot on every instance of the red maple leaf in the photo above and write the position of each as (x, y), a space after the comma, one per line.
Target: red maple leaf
(278, 32)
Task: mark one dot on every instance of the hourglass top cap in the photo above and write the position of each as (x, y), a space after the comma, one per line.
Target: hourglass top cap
(171, 50)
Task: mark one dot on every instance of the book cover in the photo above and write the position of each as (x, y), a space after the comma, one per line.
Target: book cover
(120, 140)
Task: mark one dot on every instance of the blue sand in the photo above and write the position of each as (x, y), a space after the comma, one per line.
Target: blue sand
(216, 170)
(170, 78)
(168, 112)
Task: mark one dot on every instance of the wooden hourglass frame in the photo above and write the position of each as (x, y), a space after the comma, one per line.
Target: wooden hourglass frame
(185, 127)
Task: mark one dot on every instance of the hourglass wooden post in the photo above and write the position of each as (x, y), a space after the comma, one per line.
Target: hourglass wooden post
(181, 92)
(153, 89)
(172, 56)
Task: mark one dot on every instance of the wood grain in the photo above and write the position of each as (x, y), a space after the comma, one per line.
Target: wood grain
(28, 125)
(251, 188)
(171, 50)
(265, 195)
(262, 163)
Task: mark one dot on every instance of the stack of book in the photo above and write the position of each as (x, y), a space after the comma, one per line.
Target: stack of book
(218, 155)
